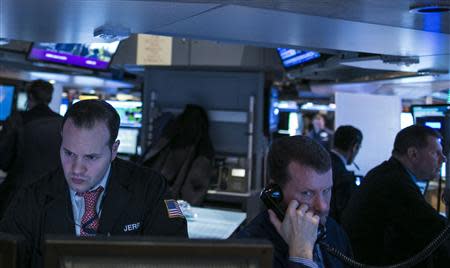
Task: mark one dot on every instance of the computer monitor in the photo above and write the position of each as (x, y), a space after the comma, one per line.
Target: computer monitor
(156, 252)
(129, 138)
(291, 58)
(271, 112)
(6, 100)
(130, 112)
(21, 102)
(8, 249)
(97, 56)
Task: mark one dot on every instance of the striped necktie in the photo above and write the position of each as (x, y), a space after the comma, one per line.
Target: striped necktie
(90, 220)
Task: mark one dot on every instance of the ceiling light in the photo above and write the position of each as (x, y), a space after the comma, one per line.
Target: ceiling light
(429, 7)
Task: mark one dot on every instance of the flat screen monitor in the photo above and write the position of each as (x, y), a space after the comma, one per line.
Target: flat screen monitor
(21, 102)
(291, 58)
(438, 110)
(96, 56)
(130, 112)
(271, 111)
(6, 101)
(143, 252)
(128, 140)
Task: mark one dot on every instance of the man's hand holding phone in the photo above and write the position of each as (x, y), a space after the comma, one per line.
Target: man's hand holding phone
(298, 229)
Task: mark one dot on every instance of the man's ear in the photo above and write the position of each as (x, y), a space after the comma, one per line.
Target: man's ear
(412, 153)
(115, 148)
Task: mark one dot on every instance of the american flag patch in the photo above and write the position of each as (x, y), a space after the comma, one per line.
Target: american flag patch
(173, 209)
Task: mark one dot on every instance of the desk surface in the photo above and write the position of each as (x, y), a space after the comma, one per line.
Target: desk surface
(210, 223)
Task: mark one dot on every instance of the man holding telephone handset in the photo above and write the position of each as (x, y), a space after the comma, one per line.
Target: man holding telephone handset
(301, 168)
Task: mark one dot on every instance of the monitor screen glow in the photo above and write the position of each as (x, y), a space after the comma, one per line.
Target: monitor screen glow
(294, 57)
(6, 100)
(93, 56)
(128, 140)
(130, 112)
(21, 101)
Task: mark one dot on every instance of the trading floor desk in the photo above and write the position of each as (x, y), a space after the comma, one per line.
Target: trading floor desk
(207, 223)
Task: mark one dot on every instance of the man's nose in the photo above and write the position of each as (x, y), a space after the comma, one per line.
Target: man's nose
(78, 166)
(320, 204)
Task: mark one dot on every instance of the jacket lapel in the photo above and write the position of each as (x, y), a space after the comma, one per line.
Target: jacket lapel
(115, 203)
(58, 209)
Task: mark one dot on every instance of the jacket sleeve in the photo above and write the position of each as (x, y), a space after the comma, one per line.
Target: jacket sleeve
(20, 219)
(8, 139)
(157, 221)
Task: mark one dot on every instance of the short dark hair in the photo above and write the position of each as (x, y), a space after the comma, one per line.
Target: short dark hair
(345, 137)
(41, 91)
(86, 113)
(413, 136)
(300, 149)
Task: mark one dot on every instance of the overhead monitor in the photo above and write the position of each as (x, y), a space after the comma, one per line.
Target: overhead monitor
(95, 56)
(129, 138)
(156, 252)
(130, 112)
(430, 115)
(6, 101)
(291, 58)
(438, 110)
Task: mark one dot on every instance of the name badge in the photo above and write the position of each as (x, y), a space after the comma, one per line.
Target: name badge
(131, 227)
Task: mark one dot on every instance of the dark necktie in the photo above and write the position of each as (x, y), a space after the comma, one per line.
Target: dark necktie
(89, 221)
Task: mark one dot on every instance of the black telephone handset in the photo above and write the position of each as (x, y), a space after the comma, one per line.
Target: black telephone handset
(272, 197)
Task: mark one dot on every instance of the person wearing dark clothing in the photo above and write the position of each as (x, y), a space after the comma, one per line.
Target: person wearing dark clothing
(29, 142)
(184, 154)
(388, 219)
(347, 142)
(320, 132)
(302, 169)
(261, 227)
(91, 192)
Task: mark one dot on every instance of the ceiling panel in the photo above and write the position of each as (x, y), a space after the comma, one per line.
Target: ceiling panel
(275, 28)
(75, 21)
(383, 12)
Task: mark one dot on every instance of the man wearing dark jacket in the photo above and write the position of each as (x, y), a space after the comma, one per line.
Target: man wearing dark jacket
(388, 219)
(92, 192)
(29, 142)
(301, 168)
(347, 142)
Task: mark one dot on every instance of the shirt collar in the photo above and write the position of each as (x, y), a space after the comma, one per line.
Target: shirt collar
(340, 156)
(411, 175)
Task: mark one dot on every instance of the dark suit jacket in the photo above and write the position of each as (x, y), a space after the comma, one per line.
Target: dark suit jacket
(29, 147)
(343, 187)
(133, 195)
(261, 227)
(388, 220)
